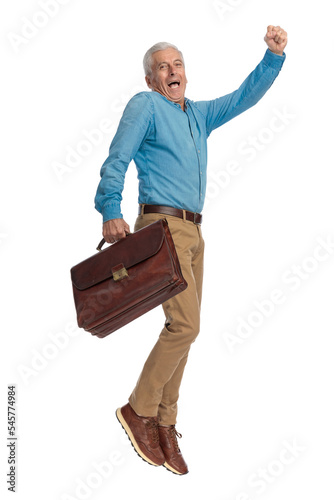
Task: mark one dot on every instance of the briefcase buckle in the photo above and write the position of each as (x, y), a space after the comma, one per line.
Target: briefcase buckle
(119, 272)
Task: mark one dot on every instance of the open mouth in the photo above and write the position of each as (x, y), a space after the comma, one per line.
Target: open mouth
(174, 85)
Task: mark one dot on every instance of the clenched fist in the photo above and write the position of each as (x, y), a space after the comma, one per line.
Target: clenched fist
(114, 230)
(276, 39)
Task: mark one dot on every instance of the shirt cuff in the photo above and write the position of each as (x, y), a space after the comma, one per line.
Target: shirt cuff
(274, 60)
(111, 211)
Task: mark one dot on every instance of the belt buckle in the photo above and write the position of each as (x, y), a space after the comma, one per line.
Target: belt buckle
(197, 223)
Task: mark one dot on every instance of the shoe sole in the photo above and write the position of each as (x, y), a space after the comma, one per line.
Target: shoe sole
(132, 440)
(170, 468)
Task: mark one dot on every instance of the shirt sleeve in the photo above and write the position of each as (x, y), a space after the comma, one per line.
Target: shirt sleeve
(223, 109)
(134, 127)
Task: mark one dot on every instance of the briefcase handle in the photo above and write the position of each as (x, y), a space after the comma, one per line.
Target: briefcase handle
(102, 242)
(100, 245)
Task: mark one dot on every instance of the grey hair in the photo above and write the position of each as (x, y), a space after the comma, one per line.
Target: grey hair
(148, 60)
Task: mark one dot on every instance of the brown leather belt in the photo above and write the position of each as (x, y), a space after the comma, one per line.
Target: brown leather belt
(176, 212)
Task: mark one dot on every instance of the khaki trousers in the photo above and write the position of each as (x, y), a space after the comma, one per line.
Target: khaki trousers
(157, 389)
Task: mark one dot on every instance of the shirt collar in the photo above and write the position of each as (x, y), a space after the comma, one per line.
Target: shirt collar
(186, 100)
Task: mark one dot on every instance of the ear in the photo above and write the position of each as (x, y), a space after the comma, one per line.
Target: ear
(148, 81)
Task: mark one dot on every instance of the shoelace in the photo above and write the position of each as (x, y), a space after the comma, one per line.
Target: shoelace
(153, 427)
(173, 435)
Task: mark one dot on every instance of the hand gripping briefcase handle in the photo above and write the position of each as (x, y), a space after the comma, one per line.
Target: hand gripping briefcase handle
(102, 242)
(127, 279)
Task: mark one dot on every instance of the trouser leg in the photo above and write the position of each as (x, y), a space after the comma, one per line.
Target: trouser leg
(168, 408)
(161, 376)
(168, 405)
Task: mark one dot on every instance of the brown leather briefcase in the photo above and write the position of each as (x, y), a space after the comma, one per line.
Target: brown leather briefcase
(127, 279)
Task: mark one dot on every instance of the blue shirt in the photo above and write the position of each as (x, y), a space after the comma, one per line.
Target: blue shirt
(169, 146)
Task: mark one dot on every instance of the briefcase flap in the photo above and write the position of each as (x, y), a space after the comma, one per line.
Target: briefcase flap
(129, 251)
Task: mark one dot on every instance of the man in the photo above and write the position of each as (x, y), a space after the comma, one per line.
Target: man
(165, 134)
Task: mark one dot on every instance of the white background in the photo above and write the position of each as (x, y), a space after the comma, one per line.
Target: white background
(239, 406)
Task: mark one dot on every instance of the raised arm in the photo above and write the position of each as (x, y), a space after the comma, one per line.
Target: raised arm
(221, 110)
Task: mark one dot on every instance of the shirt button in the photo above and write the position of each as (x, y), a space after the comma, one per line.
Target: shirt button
(199, 150)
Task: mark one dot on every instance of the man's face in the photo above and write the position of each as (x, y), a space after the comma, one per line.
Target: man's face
(168, 75)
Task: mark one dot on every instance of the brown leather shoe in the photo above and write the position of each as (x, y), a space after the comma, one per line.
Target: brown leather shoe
(168, 441)
(143, 434)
